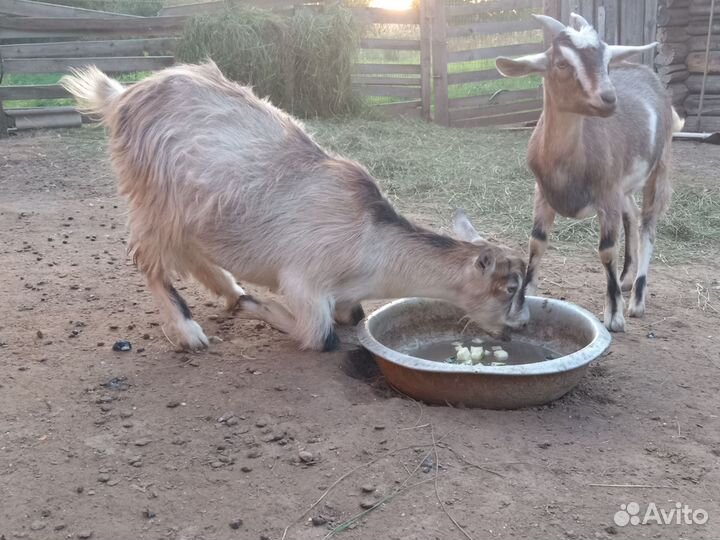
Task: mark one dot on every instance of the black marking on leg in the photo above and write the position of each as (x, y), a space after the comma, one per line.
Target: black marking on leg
(612, 287)
(626, 266)
(357, 314)
(639, 288)
(606, 242)
(179, 301)
(332, 342)
(538, 233)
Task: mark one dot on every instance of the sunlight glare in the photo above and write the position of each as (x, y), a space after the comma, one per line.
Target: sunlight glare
(392, 4)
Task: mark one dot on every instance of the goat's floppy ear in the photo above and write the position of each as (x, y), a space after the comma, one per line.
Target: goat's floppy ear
(578, 22)
(463, 229)
(525, 65)
(486, 262)
(618, 53)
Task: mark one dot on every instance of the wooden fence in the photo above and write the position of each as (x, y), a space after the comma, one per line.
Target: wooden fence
(433, 61)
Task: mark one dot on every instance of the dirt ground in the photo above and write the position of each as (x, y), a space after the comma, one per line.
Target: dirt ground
(239, 441)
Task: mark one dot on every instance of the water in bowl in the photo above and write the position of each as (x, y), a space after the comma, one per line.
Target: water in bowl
(519, 352)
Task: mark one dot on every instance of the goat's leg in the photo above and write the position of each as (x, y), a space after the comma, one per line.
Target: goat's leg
(313, 312)
(608, 250)
(180, 327)
(349, 313)
(273, 313)
(217, 280)
(656, 196)
(543, 219)
(630, 224)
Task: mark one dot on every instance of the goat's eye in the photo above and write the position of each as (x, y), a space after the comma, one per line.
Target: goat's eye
(512, 289)
(562, 64)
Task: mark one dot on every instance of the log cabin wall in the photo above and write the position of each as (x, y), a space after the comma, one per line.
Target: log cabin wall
(682, 30)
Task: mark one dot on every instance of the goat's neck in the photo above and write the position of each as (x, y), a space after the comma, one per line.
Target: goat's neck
(560, 134)
(417, 268)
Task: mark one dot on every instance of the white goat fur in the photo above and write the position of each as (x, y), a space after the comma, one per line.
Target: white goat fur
(217, 178)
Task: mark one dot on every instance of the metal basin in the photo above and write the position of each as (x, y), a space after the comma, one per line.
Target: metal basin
(563, 327)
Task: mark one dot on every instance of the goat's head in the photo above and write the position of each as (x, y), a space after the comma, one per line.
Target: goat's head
(491, 286)
(576, 66)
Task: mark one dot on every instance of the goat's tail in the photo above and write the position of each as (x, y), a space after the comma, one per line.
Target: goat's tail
(94, 91)
(677, 122)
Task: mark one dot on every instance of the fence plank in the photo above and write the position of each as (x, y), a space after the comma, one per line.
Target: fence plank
(47, 91)
(404, 108)
(384, 69)
(377, 90)
(391, 81)
(440, 61)
(391, 44)
(26, 8)
(482, 28)
(474, 76)
(203, 8)
(122, 64)
(386, 16)
(425, 60)
(632, 23)
(503, 97)
(492, 52)
(80, 49)
(512, 118)
(495, 109)
(649, 30)
(491, 6)
(12, 27)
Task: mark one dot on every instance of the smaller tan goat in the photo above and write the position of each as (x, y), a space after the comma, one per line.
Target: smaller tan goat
(604, 135)
(223, 185)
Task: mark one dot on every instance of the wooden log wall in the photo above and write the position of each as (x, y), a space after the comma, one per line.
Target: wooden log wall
(672, 50)
(698, 20)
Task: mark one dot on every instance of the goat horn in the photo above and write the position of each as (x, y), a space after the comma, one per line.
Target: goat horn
(578, 22)
(551, 25)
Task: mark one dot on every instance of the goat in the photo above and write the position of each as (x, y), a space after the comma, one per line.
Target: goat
(223, 185)
(604, 135)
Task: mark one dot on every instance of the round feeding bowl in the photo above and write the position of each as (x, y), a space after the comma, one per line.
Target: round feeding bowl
(574, 333)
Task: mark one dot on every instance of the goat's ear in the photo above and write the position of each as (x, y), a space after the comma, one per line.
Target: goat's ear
(618, 53)
(525, 65)
(463, 229)
(578, 22)
(486, 262)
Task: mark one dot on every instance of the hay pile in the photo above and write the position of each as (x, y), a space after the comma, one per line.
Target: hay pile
(302, 61)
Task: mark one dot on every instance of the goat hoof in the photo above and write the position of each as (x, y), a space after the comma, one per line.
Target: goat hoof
(192, 337)
(636, 310)
(331, 343)
(615, 323)
(357, 315)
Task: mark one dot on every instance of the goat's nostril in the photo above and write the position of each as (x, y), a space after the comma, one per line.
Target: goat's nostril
(608, 98)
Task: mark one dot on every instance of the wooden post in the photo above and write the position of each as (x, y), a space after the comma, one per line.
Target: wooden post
(551, 8)
(650, 29)
(3, 123)
(426, 57)
(440, 62)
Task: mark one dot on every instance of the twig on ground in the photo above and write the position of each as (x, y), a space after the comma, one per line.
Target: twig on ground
(437, 493)
(350, 472)
(470, 463)
(345, 524)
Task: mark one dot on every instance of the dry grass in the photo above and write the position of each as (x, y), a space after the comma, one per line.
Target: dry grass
(484, 171)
